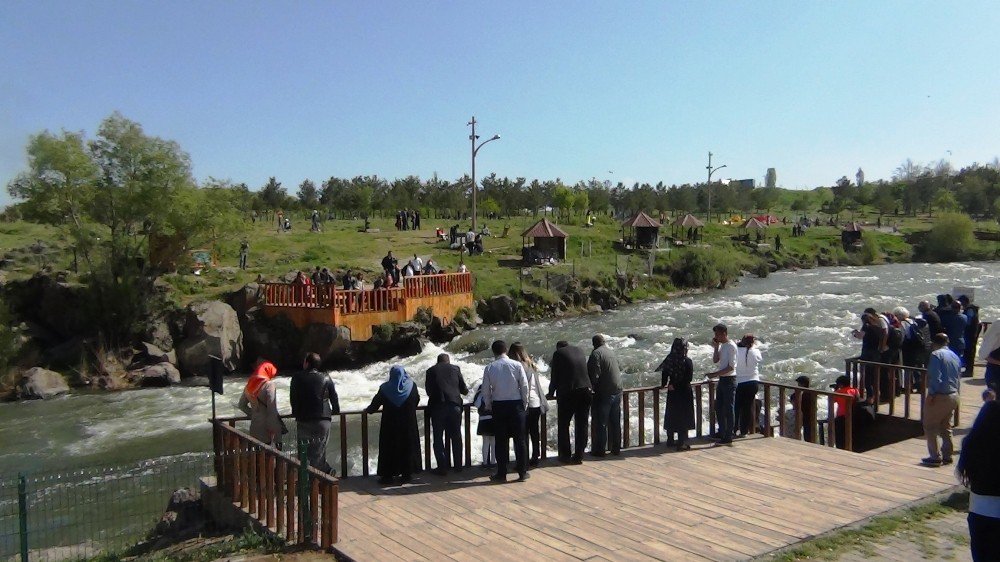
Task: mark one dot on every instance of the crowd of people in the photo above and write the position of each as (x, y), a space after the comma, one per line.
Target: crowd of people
(408, 219)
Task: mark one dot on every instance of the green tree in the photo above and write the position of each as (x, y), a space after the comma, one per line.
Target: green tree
(950, 239)
(945, 201)
(308, 195)
(273, 195)
(563, 198)
(801, 203)
(765, 198)
(884, 198)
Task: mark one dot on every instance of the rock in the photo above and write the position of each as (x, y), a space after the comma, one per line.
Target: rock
(159, 333)
(60, 307)
(246, 300)
(276, 339)
(332, 343)
(194, 382)
(68, 354)
(159, 375)
(211, 329)
(152, 354)
(184, 516)
(38, 383)
(593, 309)
(501, 309)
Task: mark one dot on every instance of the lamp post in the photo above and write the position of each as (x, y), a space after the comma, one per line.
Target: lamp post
(475, 150)
(708, 186)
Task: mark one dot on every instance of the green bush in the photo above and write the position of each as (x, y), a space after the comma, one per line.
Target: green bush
(871, 251)
(950, 239)
(708, 268)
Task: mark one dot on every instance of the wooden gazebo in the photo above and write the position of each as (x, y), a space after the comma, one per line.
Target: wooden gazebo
(548, 241)
(641, 231)
(850, 235)
(687, 227)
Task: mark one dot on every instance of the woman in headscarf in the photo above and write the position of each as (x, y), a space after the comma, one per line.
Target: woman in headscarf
(678, 370)
(260, 401)
(398, 436)
(537, 404)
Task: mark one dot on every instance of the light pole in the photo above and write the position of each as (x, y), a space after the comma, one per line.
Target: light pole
(708, 186)
(475, 150)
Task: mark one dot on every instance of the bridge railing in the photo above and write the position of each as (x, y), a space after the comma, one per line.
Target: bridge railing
(291, 295)
(293, 500)
(437, 284)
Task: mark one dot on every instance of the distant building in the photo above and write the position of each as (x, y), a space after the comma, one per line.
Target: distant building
(771, 178)
(743, 184)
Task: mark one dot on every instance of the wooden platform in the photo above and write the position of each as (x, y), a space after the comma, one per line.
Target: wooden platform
(651, 503)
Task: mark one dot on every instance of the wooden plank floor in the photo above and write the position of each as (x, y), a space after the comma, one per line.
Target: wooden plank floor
(651, 503)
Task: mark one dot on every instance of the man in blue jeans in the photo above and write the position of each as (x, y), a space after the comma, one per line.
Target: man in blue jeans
(724, 356)
(604, 368)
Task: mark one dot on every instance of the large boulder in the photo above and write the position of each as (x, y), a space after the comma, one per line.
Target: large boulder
(159, 375)
(184, 516)
(59, 307)
(38, 383)
(276, 339)
(332, 343)
(211, 328)
(498, 309)
(246, 300)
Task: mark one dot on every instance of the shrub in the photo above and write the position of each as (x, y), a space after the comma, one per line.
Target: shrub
(950, 238)
(708, 268)
(871, 251)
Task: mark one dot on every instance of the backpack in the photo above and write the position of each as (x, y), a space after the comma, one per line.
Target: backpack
(919, 336)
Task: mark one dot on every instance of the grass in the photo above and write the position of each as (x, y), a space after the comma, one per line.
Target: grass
(912, 524)
(249, 542)
(590, 252)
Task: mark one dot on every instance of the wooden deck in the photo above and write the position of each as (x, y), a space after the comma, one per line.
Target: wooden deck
(651, 503)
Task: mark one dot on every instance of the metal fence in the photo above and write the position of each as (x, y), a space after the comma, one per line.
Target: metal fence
(78, 514)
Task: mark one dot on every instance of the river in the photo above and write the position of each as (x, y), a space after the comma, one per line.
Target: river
(802, 318)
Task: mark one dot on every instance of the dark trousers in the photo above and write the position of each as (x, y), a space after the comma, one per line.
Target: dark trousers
(607, 420)
(313, 435)
(534, 432)
(744, 410)
(446, 419)
(984, 537)
(574, 407)
(725, 404)
(509, 421)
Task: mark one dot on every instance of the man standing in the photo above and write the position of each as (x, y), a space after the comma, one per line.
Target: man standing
(244, 253)
(724, 355)
(505, 392)
(314, 402)
(605, 371)
(573, 390)
(445, 388)
(943, 373)
(389, 264)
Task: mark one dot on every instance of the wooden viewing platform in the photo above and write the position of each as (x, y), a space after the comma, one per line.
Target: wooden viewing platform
(361, 310)
(651, 503)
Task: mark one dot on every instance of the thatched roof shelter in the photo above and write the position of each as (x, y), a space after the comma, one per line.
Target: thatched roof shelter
(753, 224)
(548, 241)
(641, 231)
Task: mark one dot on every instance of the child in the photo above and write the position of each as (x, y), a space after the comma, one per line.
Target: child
(485, 428)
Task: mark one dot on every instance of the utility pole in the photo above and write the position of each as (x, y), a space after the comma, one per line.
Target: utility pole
(708, 186)
(475, 150)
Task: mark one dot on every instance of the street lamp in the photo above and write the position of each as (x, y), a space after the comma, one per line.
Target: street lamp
(475, 150)
(708, 186)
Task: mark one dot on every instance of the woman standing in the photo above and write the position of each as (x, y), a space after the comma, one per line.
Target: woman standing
(678, 370)
(978, 467)
(260, 401)
(537, 404)
(748, 360)
(398, 437)
(871, 335)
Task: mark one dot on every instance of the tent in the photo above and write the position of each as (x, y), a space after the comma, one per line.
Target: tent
(548, 242)
(641, 231)
(688, 223)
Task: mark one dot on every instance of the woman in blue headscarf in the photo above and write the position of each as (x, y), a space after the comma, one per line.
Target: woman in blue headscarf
(398, 436)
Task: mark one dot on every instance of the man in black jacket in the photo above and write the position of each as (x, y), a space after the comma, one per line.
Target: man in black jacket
(314, 403)
(445, 388)
(572, 388)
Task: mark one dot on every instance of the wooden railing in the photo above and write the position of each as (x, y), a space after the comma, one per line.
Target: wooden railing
(772, 390)
(437, 284)
(288, 497)
(286, 295)
(900, 379)
(641, 402)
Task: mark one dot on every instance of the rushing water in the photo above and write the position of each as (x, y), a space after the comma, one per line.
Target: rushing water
(803, 320)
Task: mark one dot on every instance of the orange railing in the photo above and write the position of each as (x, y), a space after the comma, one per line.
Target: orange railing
(438, 284)
(285, 295)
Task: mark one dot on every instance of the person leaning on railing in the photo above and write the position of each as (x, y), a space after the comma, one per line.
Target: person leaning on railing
(314, 403)
(842, 409)
(259, 401)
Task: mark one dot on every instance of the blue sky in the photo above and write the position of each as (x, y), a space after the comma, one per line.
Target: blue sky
(625, 91)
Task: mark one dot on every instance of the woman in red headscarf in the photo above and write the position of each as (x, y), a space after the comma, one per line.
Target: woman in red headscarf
(260, 402)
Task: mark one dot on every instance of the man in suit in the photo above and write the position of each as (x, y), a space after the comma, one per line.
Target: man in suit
(572, 388)
(445, 388)
(605, 371)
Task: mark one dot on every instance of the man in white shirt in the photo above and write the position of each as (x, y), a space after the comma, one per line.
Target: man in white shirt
(505, 392)
(724, 355)
(417, 264)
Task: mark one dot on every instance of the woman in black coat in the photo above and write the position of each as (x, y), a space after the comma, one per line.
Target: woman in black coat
(398, 436)
(678, 370)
